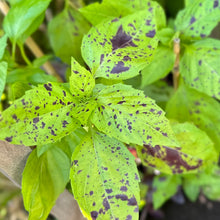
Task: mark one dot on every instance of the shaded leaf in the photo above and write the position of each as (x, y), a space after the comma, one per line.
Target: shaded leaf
(109, 9)
(44, 179)
(3, 44)
(24, 16)
(190, 105)
(196, 152)
(200, 66)
(104, 179)
(43, 115)
(3, 75)
(160, 66)
(129, 116)
(81, 80)
(65, 33)
(120, 48)
(165, 186)
(207, 182)
(198, 19)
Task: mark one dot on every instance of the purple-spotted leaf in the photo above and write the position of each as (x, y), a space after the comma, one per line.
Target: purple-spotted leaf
(200, 66)
(198, 19)
(81, 80)
(196, 151)
(164, 187)
(109, 9)
(120, 48)
(190, 105)
(43, 115)
(104, 179)
(129, 116)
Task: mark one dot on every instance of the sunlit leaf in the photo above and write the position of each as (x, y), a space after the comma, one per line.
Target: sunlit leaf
(104, 179)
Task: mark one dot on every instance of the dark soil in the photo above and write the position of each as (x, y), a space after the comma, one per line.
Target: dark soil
(207, 210)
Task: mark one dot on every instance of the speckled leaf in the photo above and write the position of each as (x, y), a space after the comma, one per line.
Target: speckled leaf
(198, 19)
(43, 115)
(190, 105)
(3, 75)
(120, 48)
(200, 66)
(183, 159)
(44, 179)
(65, 33)
(188, 2)
(109, 9)
(23, 16)
(81, 80)
(207, 182)
(164, 186)
(104, 179)
(67, 143)
(129, 116)
(160, 66)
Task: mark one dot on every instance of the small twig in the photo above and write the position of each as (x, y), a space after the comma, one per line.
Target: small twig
(176, 73)
(34, 48)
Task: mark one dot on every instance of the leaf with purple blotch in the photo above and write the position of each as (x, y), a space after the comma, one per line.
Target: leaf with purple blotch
(43, 115)
(198, 19)
(120, 48)
(177, 160)
(131, 117)
(81, 80)
(110, 9)
(200, 66)
(104, 178)
(190, 105)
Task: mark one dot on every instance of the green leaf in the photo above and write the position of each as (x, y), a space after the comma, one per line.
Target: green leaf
(109, 9)
(38, 62)
(165, 186)
(104, 179)
(207, 182)
(81, 80)
(65, 33)
(67, 143)
(17, 90)
(22, 16)
(160, 92)
(160, 66)
(181, 159)
(198, 19)
(44, 179)
(189, 2)
(42, 116)
(3, 44)
(189, 105)
(120, 48)
(166, 35)
(3, 75)
(129, 116)
(200, 66)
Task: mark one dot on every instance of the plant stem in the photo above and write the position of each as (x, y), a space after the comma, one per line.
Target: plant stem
(34, 48)
(23, 54)
(13, 50)
(176, 73)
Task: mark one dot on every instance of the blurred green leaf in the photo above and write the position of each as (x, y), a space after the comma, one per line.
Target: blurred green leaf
(3, 75)
(164, 186)
(44, 179)
(160, 66)
(65, 33)
(3, 44)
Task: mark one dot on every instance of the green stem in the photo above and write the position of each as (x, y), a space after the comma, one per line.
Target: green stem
(24, 55)
(66, 4)
(13, 50)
